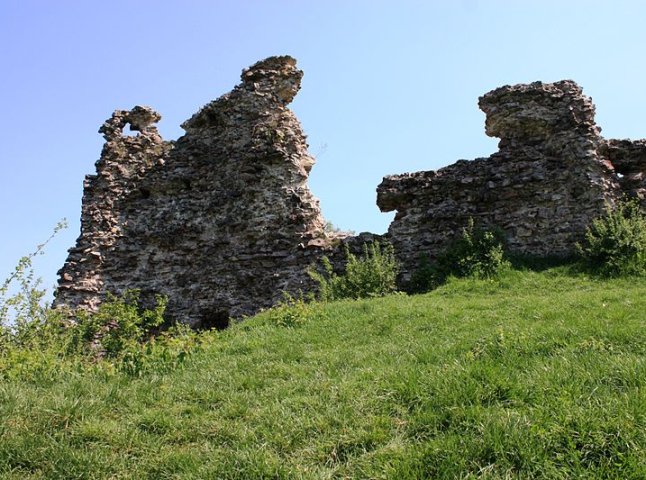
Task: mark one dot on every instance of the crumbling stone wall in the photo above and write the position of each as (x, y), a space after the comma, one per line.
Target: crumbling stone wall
(629, 160)
(107, 204)
(553, 174)
(221, 221)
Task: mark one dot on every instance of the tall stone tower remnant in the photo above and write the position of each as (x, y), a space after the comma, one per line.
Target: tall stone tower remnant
(220, 221)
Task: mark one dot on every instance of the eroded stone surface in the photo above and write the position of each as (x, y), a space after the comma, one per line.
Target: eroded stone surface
(107, 204)
(629, 160)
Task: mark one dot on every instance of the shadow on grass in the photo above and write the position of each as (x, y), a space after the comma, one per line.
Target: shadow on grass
(537, 263)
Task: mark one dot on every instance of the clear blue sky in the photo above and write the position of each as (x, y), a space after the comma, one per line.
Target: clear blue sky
(389, 86)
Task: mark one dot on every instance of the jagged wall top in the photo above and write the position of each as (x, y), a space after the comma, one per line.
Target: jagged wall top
(550, 178)
(140, 118)
(274, 76)
(538, 114)
(269, 83)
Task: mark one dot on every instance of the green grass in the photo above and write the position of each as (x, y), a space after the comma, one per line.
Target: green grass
(536, 375)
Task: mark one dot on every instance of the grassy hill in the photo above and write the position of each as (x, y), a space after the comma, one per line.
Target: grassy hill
(535, 375)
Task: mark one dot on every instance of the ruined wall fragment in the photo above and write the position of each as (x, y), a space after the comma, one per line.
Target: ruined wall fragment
(222, 223)
(107, 199)
(628, 158)
(543, 187)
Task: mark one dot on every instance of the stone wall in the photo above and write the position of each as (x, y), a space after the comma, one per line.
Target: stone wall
(109, 198)
(629, 160)
(553, 174)
(222, 220)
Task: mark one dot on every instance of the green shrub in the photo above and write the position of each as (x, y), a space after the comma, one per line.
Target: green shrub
(119, 337)
(162, 352)
(615, 244)
(373, 274)
(127, 338)
(478, 253)
(119, 324)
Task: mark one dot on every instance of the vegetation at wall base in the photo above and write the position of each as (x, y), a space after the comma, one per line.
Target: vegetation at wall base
(116, 338)
(615, 244)
(527, 375)
(478, 252)
(38, 343)
(373, 274)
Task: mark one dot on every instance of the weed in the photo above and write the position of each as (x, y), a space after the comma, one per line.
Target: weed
(22, 312)
(291, 312)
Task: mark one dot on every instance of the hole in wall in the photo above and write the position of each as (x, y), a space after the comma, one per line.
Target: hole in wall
(213, 320)
(126, 131)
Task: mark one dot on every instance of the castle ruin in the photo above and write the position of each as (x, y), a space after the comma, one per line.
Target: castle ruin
(222, 221)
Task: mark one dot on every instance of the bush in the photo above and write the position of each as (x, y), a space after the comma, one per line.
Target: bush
(615, 244)
(118, 324)
(426, 277)
(374, 274)
(123, 336)
(478, 253)
(118, 337)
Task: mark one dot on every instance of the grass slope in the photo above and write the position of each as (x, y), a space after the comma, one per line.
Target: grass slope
(537, 375)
